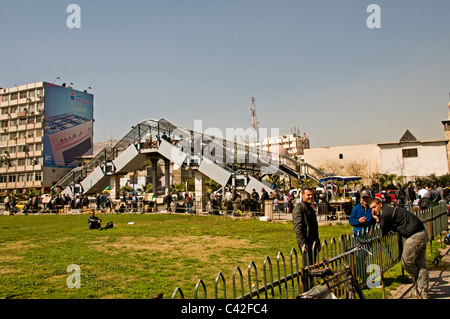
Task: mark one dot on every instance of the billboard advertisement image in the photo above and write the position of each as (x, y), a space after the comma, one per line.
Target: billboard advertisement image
(68, 125)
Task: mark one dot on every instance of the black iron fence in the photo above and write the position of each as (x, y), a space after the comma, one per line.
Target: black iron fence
(286, 278)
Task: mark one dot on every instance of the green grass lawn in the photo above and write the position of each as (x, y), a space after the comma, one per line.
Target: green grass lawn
(155, 255)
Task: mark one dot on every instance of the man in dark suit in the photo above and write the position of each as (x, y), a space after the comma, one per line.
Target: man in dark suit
(305, 224)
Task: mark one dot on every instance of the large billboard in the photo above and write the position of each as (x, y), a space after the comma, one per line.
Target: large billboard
(68, 125)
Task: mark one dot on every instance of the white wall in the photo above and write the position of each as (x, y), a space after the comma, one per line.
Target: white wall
(382, 158)
(327, 158)
(432, 158)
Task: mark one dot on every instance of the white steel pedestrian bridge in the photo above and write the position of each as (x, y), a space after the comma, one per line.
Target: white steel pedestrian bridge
(228, 163)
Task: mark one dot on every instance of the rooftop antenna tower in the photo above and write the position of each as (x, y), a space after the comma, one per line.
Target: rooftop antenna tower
(255, 128)
(295, 130)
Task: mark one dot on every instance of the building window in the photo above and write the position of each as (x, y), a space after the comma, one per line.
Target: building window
(38, 176)
(3, 178)
(11, 178)
(409, 152)
(341, 156)
(5, 98)
(22, 148)
(13, 96)
(30, 177)
(23, 95)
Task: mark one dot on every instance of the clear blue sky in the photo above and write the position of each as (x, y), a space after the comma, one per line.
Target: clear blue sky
(313, 64)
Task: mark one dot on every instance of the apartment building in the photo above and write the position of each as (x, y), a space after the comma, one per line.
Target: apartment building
(43, 128)
(294, 143)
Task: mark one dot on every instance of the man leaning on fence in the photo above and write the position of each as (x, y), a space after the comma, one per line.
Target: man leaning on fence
(409, 226)
(305, 223)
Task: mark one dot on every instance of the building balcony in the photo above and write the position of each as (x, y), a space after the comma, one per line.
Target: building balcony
(20, 184)
(20, 169)
(11, 170)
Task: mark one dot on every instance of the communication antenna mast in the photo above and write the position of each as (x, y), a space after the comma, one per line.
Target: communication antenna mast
(255, 128)
(295, 130)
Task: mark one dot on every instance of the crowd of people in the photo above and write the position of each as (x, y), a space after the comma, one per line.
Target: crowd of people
(51, 204)
(232, 202)
(410, 197)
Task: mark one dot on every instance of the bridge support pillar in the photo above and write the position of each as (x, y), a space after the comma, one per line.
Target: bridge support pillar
(155, 176)
(200, 190)
(114, 184)
(167, 176)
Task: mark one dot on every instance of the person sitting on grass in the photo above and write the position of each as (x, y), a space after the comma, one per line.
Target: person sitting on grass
(94, 222)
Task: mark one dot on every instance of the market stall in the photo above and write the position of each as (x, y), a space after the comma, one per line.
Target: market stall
(341, 206)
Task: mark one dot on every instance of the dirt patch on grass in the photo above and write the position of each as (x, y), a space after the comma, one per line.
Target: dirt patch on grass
(18, 246)
(198, 247)
(11, 254)
(61, 240)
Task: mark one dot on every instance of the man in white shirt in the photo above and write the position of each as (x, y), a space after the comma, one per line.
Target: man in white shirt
(423, 192)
